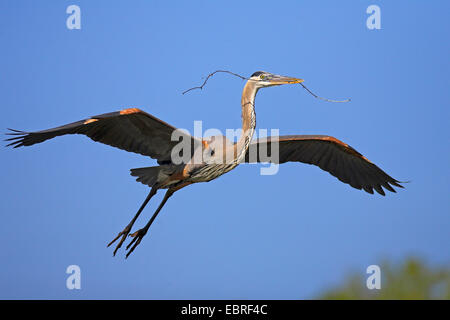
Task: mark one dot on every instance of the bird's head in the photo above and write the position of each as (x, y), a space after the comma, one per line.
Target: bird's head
(264, 79)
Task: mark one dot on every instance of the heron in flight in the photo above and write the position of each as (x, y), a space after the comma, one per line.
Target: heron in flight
(136, 131)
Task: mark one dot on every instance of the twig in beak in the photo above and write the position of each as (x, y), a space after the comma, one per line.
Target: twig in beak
(324, 99)
(245, 78)
(210, 75)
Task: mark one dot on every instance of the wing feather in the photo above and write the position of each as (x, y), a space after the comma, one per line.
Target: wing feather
(131, 130)
(333, 156)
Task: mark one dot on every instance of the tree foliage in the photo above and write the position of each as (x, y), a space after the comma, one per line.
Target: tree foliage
(410, 280)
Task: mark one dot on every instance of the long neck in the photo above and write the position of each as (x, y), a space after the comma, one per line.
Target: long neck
(248, 119)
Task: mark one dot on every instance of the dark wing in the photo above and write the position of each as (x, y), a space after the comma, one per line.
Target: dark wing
(131, 129)
(330, 154)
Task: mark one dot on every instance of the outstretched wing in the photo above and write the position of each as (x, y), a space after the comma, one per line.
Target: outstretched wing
(331, 155)
(131, 130)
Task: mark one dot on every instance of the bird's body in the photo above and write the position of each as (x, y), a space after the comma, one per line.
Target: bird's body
(136, 131)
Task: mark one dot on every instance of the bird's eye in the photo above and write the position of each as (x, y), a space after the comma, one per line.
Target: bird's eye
(262, 77)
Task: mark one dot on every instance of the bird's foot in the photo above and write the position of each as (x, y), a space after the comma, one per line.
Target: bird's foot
(137, 237)
(124, 233)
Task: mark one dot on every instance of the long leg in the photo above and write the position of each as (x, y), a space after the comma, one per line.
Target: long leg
(127, 229)
(138, 235)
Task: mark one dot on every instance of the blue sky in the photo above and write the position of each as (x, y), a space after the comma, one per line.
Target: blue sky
(286, 236)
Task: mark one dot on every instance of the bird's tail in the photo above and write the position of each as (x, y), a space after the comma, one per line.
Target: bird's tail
(151, 176)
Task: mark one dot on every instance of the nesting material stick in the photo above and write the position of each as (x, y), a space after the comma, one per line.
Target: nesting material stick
(245, 78)
(210, 75)
(324, 99)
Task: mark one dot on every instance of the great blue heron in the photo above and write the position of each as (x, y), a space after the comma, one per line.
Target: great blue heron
(137, 131)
